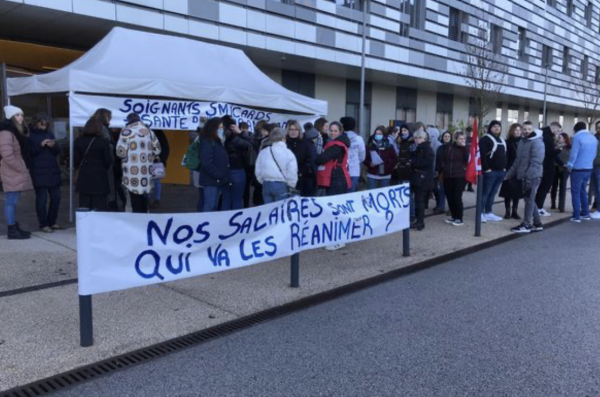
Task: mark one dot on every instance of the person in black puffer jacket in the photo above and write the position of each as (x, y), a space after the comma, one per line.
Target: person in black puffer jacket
(306, 154)
(45, 172)
(214, 166)
(238, 145)
(493, 165)
(551, 153)
(404, 141)
(511, 189)
(453, 167)
(421, 176)
(93, 158)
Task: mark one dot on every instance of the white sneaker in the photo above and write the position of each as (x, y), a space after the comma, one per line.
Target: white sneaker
(543, 212)
(595, 215)
(492, 217)
(335, 247)
(483, 218)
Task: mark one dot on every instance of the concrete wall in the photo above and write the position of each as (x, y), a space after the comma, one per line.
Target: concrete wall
(332, 90)
(383, 106)
(426, 106)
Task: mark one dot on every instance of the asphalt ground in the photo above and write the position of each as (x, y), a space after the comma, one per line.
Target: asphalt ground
(519, 319)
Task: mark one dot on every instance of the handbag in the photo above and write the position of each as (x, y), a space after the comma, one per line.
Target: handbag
(76, 172)
(291, 191)
(158, 171)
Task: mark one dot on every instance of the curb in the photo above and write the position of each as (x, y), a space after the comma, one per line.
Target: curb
(108, 366)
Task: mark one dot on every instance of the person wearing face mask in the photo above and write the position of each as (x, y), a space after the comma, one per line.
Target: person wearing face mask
(511, 188)
(238, 146)
(529, 168)
(14, 173)
(214, 168)
(380, 159)
(453, 165)
(305, 153)
(492, 148)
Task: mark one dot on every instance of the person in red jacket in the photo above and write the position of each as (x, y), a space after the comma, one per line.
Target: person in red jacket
(333, 174)
(453, 168)
(381, 159)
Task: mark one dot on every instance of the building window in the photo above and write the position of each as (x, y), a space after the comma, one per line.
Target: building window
(302, 83)
(406, 105)
(404, 9)
(561, 119)
(584, 67)
(454, 25)
(526, 113)
(496, 38)
(589, 10)
(570, 8)
(417, 14)
(353, 104)
(546, 56)
(540, 120)
(575, 119)
(522, 45)
(513, 114)
(444, 108)
(566, 60)
(597, 76)
(551, 3)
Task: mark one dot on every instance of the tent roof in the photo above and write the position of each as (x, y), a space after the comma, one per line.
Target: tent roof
(136, 63)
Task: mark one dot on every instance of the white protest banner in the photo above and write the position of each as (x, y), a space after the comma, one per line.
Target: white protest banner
(171, 114)
(116, 251)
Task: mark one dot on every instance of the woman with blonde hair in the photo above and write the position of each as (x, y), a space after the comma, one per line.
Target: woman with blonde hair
(305, 153)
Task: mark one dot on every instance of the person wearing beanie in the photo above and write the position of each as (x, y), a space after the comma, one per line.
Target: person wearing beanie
(14, 172)
(492, 148)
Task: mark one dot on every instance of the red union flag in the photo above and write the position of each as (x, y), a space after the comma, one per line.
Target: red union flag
(474, 168)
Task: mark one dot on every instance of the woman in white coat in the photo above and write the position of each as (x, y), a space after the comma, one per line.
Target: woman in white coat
(276, 168)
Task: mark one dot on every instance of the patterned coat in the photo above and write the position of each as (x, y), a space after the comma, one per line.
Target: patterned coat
(137, 148)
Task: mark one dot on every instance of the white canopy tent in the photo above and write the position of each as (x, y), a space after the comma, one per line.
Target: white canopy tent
(135, 63)
(149, 65)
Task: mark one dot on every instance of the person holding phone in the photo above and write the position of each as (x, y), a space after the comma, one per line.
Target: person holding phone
(45, 172)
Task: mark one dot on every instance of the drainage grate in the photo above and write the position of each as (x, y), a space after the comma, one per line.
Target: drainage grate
(108, 366)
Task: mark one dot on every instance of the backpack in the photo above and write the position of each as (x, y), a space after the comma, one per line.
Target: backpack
(496, 144)
(191, 158)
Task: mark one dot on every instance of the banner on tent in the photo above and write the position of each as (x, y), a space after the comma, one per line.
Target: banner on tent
(171, 114)
(117, 251)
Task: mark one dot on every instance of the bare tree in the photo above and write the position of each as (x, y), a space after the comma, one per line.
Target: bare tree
(485, 72)
(587, 91)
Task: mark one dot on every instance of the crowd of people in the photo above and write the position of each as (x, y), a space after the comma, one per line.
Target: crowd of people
(234, 167)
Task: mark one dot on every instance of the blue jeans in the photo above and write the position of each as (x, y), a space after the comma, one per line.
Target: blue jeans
(10, 207)
(579, 197)
(47, 214)
(211, 198)
(233, 195)
(200, 203)
(373, 183)
(491, 184)
(157, 189)
(354, 181)
(274, 191)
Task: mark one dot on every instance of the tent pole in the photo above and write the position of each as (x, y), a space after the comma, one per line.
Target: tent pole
(5, 99)
(71, 162)
(361, 106)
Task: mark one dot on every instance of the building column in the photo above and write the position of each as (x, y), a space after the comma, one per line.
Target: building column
(426, 107)
(332, 90)
(383, 106)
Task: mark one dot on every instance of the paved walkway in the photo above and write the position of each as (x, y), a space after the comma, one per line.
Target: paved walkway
(519, 319)
(39, 324)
